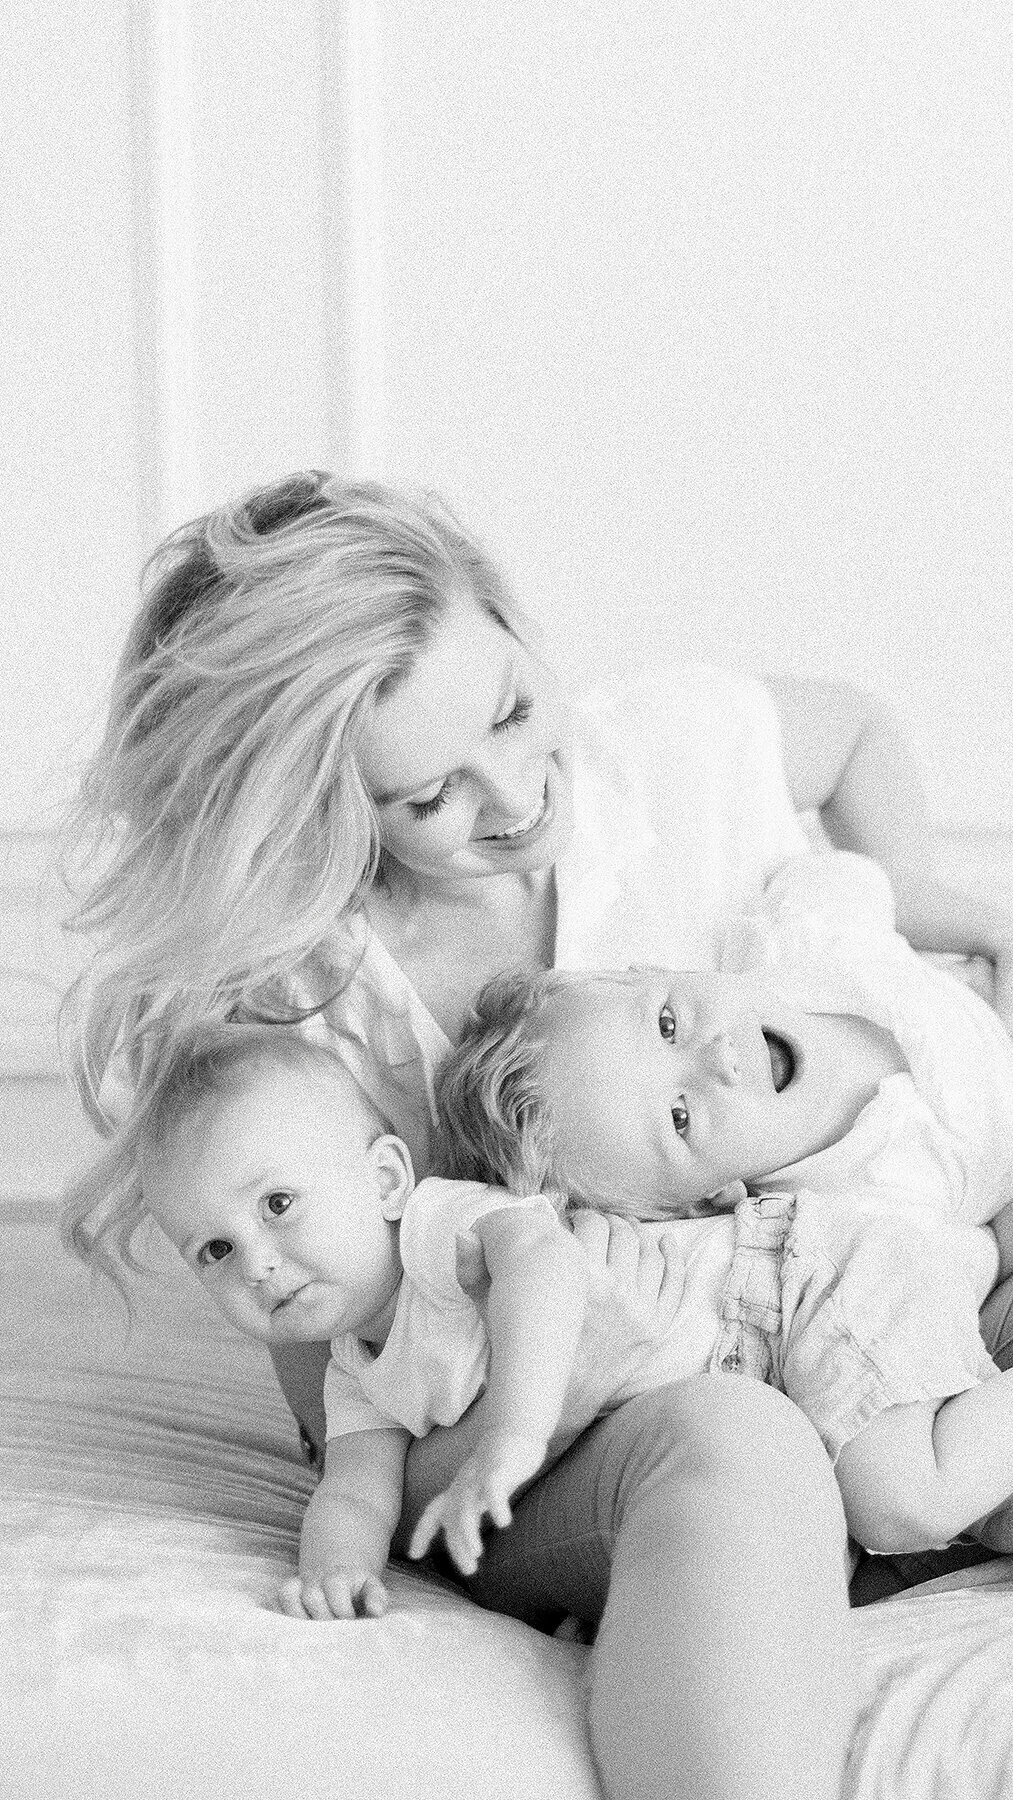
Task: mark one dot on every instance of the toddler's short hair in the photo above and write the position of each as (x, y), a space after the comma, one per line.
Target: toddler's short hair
(495, 1123)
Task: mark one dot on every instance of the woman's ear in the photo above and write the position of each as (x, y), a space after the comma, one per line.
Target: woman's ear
(395, 1174)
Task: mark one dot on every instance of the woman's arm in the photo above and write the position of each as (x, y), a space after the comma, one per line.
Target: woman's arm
(846, 756)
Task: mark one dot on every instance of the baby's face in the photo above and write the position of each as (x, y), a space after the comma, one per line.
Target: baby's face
(285, 1210)
(665, 1087)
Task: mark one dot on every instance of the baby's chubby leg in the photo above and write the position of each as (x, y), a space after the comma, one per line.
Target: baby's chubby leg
(702, 1524)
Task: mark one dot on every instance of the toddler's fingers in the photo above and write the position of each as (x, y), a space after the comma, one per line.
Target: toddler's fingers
(328, 1599)
(624, 1250)
(592, 1234)
(373, 1599)
(464, 1541)
(498, 1506)
(673, 1279)
(290, 1599)
(425, 1530)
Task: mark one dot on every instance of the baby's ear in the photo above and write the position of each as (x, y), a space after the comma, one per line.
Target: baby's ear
(395, 1174)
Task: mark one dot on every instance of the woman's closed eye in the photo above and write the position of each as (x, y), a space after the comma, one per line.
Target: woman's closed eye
(519, 713)
(427, 809)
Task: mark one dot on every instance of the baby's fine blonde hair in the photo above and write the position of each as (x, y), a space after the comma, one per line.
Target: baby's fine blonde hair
(495, 1123)
(223, 825)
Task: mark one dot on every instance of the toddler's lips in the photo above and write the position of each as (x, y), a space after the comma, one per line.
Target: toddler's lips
(782, 1060)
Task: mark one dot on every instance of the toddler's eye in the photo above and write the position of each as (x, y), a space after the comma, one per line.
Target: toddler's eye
(680, 1117)
(666, 1024)
(215, 1251)
(278, 1203)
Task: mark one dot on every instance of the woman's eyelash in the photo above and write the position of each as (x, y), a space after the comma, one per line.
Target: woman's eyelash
(519, 712)
(427, 809)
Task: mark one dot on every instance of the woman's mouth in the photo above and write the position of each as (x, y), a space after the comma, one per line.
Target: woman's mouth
(782, 1060)
(530, 822)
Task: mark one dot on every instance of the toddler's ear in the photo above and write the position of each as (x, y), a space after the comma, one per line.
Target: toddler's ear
(395, 1174)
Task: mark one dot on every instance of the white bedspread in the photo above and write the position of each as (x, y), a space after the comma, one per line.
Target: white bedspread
(152, 1500)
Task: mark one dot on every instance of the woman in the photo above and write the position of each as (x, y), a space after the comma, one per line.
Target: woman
(340, 781)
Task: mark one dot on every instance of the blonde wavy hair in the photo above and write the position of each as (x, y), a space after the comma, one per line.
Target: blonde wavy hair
(223, 826)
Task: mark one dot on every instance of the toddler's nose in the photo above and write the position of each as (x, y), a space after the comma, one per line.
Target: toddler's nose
(258, 1263)
(722, 1060)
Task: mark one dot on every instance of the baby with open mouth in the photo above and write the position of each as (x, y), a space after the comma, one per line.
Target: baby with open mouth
(824, 1143)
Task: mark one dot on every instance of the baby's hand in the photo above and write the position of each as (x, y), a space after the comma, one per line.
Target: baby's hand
(334, 1593)
(646, 1269)
(499, 1463)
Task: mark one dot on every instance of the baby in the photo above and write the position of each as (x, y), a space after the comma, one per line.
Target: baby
(279, 1184)
(855, 1117)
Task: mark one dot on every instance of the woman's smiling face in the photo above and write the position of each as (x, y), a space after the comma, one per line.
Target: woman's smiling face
(467, 760)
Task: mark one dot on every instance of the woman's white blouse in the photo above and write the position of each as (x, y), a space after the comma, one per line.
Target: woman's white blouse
(682, 812)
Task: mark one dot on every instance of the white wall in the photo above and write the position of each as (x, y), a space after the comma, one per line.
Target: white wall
(702, 312)
(699, 311)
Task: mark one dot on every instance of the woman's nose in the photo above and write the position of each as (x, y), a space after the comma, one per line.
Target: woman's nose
(509, 787)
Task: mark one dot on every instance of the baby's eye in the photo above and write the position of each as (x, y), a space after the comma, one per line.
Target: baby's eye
(214, 1251)
(680, 1117)
(666, 1024)
(278, 1203)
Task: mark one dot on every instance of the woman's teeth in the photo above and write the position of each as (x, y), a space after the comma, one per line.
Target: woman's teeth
(527, 824)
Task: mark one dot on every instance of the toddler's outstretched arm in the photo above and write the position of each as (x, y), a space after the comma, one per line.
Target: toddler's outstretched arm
(347, 1529)
(918, 1476)
(534, 1317)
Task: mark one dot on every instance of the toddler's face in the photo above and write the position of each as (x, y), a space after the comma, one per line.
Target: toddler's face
(284, 1209)
(665, 1087)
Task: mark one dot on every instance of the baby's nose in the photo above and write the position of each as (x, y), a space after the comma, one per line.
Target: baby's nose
(258, 1263)
(722, 1059)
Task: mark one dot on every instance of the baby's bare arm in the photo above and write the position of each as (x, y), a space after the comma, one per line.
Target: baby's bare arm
(918, 1475)
(346, 1532)
(534, 1316)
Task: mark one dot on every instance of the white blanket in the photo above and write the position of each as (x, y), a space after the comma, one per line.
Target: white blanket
(152, 1496)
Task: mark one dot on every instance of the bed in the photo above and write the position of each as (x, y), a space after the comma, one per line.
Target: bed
(153, 1489)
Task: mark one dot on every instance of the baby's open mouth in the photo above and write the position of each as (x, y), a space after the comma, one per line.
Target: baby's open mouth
(782, 1060)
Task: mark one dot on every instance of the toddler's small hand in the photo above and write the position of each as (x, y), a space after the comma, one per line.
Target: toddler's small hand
(335, 1593)
(646, 1268)
(496, 1468)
